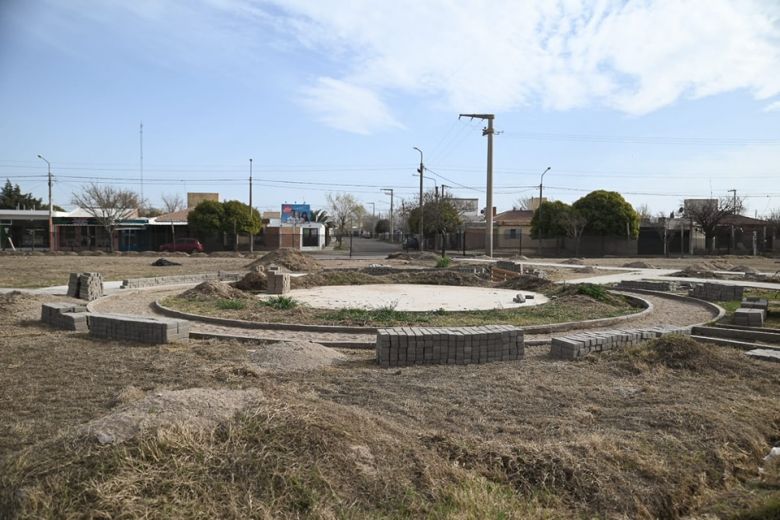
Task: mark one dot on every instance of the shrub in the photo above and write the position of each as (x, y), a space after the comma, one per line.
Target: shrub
(596, 292)
(231, 304)
(280, 303)
(444, 261)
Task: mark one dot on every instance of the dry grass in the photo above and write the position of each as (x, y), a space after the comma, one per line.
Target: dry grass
(44, 271)
(663, 430)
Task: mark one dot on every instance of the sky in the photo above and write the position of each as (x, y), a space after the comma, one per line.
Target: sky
(659, 100)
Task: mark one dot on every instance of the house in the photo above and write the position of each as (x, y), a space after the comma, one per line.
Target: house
(512, 229)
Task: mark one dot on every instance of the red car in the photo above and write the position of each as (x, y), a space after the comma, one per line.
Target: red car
(188, 245)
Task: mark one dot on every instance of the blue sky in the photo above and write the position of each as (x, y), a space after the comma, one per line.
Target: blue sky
(660, 100)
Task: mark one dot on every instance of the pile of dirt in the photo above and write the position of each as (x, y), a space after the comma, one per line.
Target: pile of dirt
(255, 280)
(527, 283)
(586, 269)
(213, 289)
(424, 256)
(678, 352)
(744, 269)
(194, 408)
(639, 265)
(323, 278)
(574, 261)
(438, 277)
(162, 262)
(289, 258)
(294, 355)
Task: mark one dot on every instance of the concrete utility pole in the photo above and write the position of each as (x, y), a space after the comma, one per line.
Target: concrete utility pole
(733, 235)
(392, 228)
(442, 189)
(251, 213)
(541, 183)
(488, 131)
(421, 170)
(51, 221)
(141, 142)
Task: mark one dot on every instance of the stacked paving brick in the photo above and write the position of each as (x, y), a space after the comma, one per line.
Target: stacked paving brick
(65, 316)
(647, 285)
(179, 279)
(717, 292)
(749, 317)
(140, 329)
(278, 283)
(755, 303)
(583, 343)
(86, 286)
(404, 346)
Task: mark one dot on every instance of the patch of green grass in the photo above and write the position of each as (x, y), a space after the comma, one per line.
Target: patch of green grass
(383, 316)
(230, 304)
(444, 261)
(280, 303)
(597, 292)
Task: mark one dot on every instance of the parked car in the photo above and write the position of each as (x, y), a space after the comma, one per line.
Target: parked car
(189, 245)
(411, 242)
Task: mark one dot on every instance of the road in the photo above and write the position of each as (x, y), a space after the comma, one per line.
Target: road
(363, 248)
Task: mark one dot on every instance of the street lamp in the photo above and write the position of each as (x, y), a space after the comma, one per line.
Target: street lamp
(541, 183)
(392, 228)
(442, 189)
(421, 170)
(51, 223)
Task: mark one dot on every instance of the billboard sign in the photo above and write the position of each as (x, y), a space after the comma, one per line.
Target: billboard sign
(295, 213)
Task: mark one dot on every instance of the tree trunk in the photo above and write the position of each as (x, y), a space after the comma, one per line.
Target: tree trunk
(707, 241)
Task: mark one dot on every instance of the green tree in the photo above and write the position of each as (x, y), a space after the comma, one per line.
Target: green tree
(440, 216)
(608, 213)
(237, 218)
(205, 219)
(552, 220)
(382, 226)
(11, 197)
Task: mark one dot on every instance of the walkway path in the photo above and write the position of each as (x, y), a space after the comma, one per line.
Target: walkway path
(666, 311)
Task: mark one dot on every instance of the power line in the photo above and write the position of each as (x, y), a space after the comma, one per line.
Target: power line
(673, 140)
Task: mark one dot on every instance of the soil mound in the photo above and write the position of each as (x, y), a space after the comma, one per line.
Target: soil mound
(213, 289)
(162, 262)
(586, 269)
(335, 278)
(438, 277)
(425, 255)
(744, 269)
(294, 355)
(253, 281)
(639, 265)
(526, 282)
(194, 408)
(574, 261)
(289, 258)
(679, 352)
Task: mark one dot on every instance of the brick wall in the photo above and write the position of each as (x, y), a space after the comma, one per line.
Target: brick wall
(140, 329)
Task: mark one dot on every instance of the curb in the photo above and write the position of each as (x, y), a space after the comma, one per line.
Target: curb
(331, 344)
(719, 311)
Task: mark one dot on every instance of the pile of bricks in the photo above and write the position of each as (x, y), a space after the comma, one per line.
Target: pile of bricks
(278, 283)
(755, 303)
(749, 317)
(647, 285)
(65, 316)
(136, 328)
(86, 286)
(404, 346)
(717, 292)
(583, 343)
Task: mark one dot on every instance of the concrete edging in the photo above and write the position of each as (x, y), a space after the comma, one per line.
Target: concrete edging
(590, 324)
(243, 324)
(719, 311)
(533, 329)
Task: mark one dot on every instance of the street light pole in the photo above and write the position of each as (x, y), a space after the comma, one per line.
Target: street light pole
(392, 228)
(421, 170)
(251, 214)
(51, 222)
(488, 131)
(733, 235)
(541, 182)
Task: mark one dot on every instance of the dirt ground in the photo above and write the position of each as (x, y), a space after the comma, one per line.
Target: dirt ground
(652, 432)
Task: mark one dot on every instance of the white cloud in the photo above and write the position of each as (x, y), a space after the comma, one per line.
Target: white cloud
(347, 107)
(635, 57)
(771, 107)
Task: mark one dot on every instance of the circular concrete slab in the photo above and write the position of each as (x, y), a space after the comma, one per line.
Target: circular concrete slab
(412, 297)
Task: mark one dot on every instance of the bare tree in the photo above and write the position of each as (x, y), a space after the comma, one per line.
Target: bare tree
(574, 222)
(344, 209)
(643, 211)
(524, 203)
(172, 202)
(108, 205)
(708, 213)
